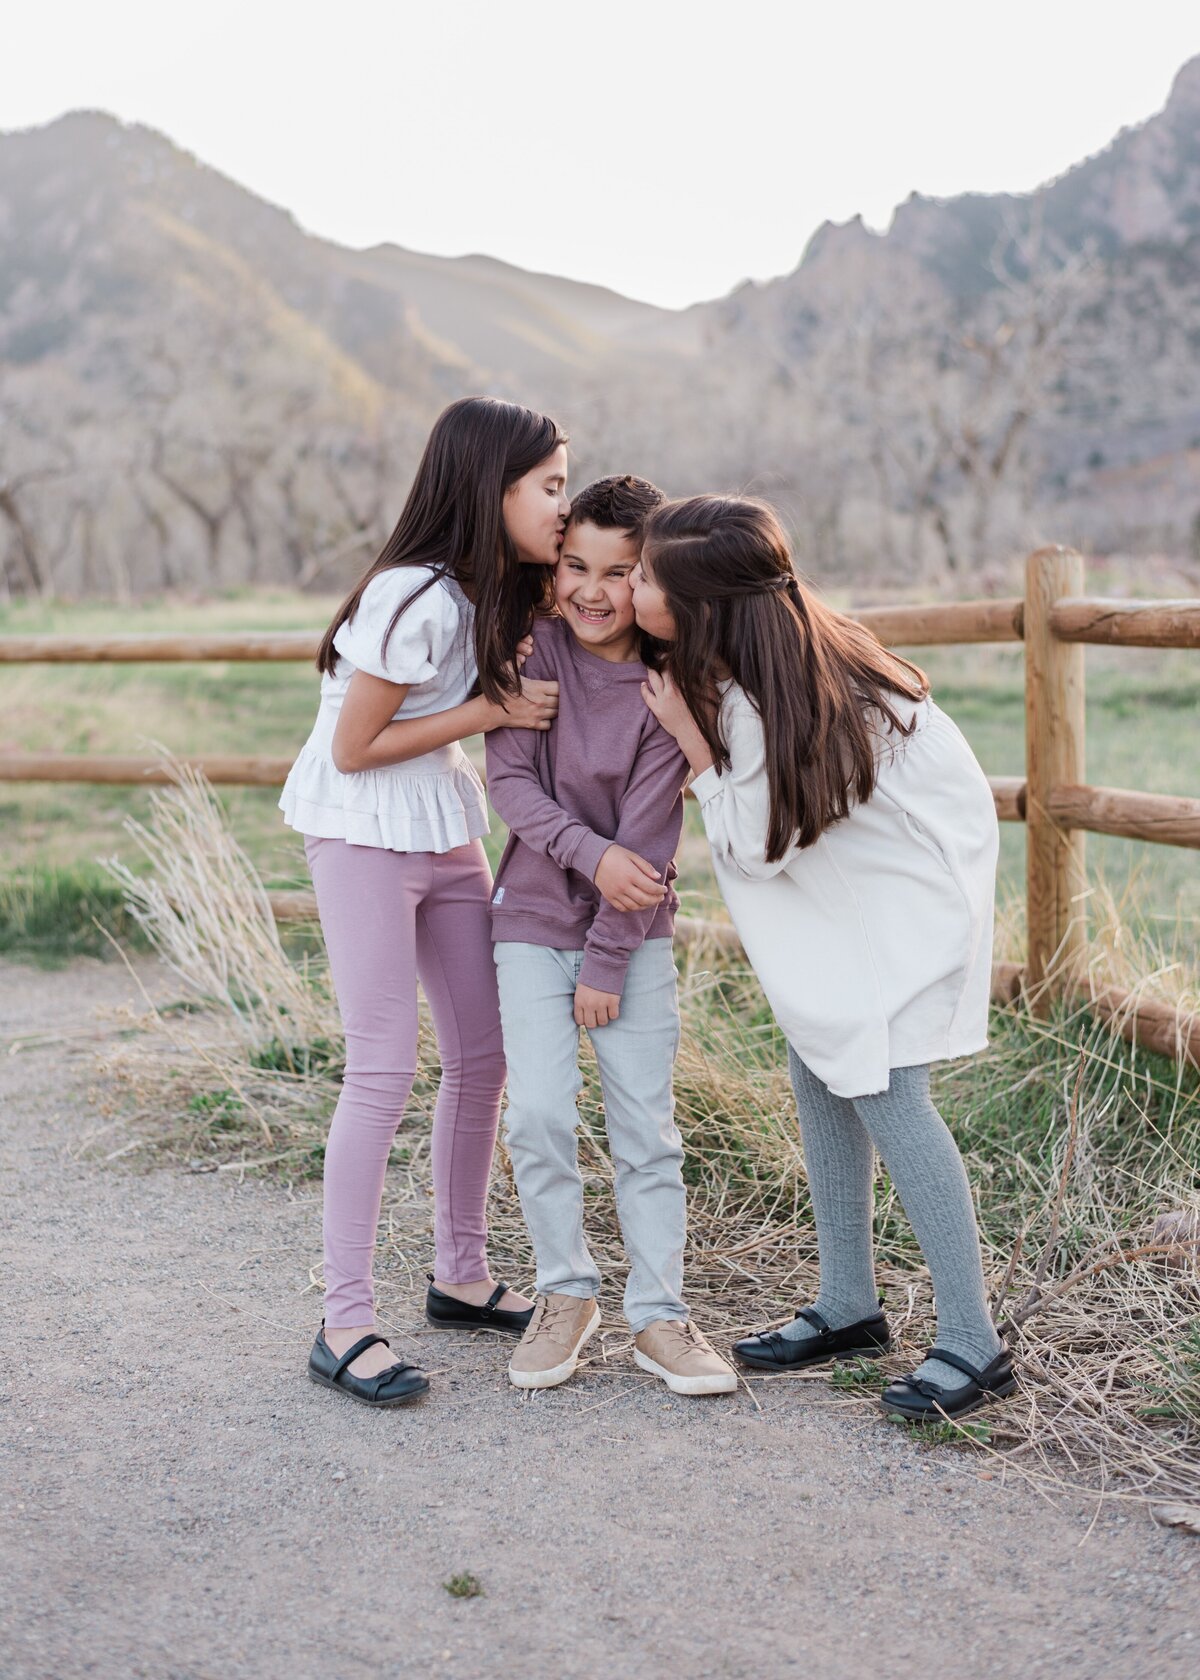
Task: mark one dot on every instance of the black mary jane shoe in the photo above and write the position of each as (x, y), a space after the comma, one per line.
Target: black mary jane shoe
(773, 1351)
(445, 1312)
(395, 1386)
(918, 1400)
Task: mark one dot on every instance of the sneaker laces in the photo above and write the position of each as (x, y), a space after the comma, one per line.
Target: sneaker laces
(685, 1332)
(552, 1312)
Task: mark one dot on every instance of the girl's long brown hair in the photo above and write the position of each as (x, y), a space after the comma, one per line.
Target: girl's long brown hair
(813, 675)
(453, 522)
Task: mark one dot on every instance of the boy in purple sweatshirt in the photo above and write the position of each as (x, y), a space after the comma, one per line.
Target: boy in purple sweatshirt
(582, 918)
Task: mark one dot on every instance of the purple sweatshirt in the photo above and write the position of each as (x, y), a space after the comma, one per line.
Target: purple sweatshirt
(606, 771)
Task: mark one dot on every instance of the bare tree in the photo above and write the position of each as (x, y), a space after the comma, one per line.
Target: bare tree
(1001, 371)
(33, 458)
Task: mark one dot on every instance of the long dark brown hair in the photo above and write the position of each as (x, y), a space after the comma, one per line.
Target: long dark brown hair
(453, 522)
(813, 675)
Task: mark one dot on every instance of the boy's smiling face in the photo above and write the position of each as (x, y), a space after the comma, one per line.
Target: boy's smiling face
(592, 590)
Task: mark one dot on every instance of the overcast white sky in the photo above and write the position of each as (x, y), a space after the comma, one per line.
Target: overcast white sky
(669, 148)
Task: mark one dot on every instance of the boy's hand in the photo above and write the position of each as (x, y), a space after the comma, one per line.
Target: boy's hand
(627, 881)
(595, 1009)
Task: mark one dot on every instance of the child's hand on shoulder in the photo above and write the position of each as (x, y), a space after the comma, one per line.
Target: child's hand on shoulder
(595, 1009)
(627, 881)
(671, 710)
(534, 707)
(666, 702)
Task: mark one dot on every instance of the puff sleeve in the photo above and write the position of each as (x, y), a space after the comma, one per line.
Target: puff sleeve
(423, 634)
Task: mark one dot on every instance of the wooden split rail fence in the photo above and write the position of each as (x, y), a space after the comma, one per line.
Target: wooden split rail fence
(1055, 620)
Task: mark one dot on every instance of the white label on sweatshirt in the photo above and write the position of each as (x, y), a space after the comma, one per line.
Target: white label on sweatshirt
(499, 898)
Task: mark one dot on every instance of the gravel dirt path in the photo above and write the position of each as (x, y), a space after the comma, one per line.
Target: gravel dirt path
(180, 1503)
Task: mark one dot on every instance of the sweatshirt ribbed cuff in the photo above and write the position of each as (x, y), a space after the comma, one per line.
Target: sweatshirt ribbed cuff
(588, 854)
(604, 973)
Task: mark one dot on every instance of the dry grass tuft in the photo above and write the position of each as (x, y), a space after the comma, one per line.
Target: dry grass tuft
(1082, 1150)
(205, 910)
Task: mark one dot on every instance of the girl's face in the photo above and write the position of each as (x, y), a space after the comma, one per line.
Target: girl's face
(650, 605)
(536, 509)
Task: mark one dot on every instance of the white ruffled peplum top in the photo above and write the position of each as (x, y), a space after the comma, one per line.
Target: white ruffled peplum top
(428, 804)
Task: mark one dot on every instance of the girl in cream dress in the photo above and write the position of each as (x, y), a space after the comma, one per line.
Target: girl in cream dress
(854, 838)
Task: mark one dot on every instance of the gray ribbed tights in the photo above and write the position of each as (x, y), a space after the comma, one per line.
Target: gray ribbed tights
(840, 1136)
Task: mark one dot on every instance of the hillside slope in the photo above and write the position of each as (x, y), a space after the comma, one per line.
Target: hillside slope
(194, 389)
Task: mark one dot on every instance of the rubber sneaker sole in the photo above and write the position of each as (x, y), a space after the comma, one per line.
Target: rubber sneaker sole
(720, 1382)
(557, 1373)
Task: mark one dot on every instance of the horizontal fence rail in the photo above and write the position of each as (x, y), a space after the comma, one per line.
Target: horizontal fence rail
(1054, 620)
(689, 931)
(1155, 624)
(234, 771)
(1155, 1026)
(956, 622)
(946, 626)
(1158, 817)
(231, 646)
(1009, 794)
(229, 769)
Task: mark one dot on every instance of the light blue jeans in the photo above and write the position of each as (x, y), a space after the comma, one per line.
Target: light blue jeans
(635, 1054)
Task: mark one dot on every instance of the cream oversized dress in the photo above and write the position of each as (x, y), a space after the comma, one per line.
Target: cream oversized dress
(873, 945)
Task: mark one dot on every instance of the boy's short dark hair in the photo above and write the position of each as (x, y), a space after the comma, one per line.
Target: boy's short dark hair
(621, 503)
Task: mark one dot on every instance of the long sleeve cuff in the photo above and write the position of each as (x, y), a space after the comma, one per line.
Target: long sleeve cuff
(706, 784)
(603, 971)
(587, 855)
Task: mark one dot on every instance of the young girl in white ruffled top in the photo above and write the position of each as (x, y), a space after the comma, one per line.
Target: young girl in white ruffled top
(854, 839)
(392, 813)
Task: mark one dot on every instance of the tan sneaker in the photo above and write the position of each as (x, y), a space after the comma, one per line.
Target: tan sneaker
(678, 1353)
(549, 1350)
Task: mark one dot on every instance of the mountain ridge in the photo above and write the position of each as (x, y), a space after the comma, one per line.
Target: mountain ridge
(198, 386)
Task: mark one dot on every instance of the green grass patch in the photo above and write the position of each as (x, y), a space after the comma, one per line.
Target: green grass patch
(220, 1110)
(49, 916)
(946, 1433)
(858, 1376)
(464, 1585)
(1176, 1394)
(325, 1057)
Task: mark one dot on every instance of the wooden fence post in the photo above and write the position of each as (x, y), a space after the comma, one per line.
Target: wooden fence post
(1056, 877)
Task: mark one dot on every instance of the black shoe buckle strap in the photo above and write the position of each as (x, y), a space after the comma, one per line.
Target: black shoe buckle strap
(810, 1315)
(958, 1364)
(488, 1309)
(351, 1354)
(936, 1391)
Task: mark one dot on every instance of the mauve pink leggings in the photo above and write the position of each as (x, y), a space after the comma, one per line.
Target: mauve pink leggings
(389, 918)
